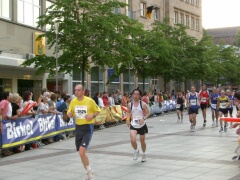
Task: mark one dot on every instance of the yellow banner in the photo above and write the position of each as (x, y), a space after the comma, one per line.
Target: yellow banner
(39, 45)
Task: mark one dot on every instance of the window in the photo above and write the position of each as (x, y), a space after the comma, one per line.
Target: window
(192, 2)
(192, 22)
(28, 12)
(157, 14)
(143, 9)
(197, 24)
(197, 3)
(187, 20)
(5, 9)
(181, 18)
(175, 17)
(48, 4)
(187, 1)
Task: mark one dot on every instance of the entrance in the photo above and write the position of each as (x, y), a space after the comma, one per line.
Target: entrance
(33, 86)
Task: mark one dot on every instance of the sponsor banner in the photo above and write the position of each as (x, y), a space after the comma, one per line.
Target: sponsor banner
(29, 129)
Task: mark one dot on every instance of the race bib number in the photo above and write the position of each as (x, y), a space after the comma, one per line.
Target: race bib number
(80, 112)
(223, 105)
(178, 105)
(193, 102)
(136, 120)
(204, 99)
(213, 106)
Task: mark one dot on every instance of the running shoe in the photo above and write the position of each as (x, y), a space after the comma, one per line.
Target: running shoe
(135, 155)
(213, 124)
(204, 123)
(193, 129)
(144, 158)
(216, 123)
(221, 129)
(89, 176)
(181, 120)
(225, 129)
(178, 119)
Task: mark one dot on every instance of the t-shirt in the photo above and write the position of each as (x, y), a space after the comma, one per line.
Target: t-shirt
(4, 107)
(41, 107)
(81, 108)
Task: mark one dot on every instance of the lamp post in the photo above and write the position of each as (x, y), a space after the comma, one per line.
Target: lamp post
(56, 32)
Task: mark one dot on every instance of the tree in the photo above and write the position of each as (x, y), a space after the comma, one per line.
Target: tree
(89, 32)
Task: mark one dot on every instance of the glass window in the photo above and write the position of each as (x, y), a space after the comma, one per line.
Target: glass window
(187, 1)
(157, 14)
(181, 18)
(192, 22)
(197, 3)
(97, 74)
(5, 9)
(5, 85)
(143, 9)
(197, 24)
(175, 17)
(28, 12)
(187, 20)
(192, 2)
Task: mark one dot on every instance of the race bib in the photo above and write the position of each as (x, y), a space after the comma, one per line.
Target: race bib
(214, 106)
(193, 102)
(80, 112)
(136, 120)
(223, 105)
(178, 105)
(204, 99)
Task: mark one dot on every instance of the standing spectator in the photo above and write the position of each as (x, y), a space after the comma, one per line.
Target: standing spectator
(53, 103)
(65, 103)
(111, 99)
(118, 97)
(95, 97)
(100, 101)
(145, 97)
(125, 99)
(27, 98)
(43, 108)
(60, 100)
(105, 99)
(5, 104)
(87, 92)
(15, 106)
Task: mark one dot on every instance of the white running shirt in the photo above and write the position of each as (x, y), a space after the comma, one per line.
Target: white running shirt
(137, 115)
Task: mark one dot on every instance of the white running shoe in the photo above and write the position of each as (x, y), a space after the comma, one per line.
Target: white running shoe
(144, 158)
(135, 155)
(216, 123)
(89, 176)
(193, 129)
(213, 124)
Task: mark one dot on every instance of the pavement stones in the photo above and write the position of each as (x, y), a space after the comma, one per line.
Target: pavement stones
(173, 153)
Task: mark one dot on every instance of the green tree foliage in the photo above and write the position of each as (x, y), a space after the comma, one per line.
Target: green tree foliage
(89, 33)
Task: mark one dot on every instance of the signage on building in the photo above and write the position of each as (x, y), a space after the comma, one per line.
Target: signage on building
(38, 44)
(111, 72)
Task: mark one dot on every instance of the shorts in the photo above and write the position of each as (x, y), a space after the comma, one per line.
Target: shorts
(141, 131)
(230, 110)
(203, 106)
(192, 111)
(224, 111)
(181, 108)
(83, 135)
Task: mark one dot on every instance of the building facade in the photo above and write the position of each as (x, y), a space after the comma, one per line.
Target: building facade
(17, 43)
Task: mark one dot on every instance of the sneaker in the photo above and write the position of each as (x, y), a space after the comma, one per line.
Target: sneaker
(213, 124)
(89, 175)
(216, 123)
(193, 129)
(221, 129)
(178, 119)
(135, 155)
(181, 120)
(204, 123)
(144, 158)
(225, 129)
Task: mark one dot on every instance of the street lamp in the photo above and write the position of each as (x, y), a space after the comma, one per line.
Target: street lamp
(56, 32)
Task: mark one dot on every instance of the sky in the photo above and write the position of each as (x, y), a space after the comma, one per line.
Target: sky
(220, 13)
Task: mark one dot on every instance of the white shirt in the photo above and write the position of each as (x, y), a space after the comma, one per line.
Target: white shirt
(100, 102)
(42, 106)
(137, 115)
(9, 112)
(111, 101)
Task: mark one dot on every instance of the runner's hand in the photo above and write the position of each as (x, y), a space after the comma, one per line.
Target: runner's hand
(89, 117)
(70, 115)
(141, 121)
(128, 123)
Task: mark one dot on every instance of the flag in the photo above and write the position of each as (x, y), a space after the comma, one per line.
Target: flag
(149, 11)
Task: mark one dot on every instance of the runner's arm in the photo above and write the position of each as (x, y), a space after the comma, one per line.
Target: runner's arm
(129, 114)
(146, 110)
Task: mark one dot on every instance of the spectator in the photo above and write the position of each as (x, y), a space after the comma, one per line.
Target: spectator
(27, 98)
(60, 100)
(95, 97)
(125, 99)
(117, 97)
(53, 103)
(86, 92)
(145, 97)
(105, 99)
(111, 99)
(65, 103)
(43, 107)
(15, 106)
(100, 101)
(5, 104)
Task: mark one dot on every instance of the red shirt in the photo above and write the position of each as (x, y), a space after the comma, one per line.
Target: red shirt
(105, 101)
(204, 95)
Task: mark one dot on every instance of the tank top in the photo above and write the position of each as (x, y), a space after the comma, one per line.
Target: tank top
(193, 100)
(179, 102)
(137, 115)
(223, 102)
(204, 97)
(214, 100)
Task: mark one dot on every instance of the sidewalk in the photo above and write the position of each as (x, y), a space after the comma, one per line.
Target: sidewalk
(173, 153)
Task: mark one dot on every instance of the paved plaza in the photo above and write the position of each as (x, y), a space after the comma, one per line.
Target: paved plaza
(173, 153)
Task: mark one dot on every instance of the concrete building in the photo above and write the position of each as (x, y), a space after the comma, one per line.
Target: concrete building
(17, 42)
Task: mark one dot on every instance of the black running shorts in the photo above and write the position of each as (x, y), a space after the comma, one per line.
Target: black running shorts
(141, 131)
(83, 135)
(224, 111)
(203, 106)
(192, 110)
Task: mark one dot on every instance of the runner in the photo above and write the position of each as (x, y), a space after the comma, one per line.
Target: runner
(179, 106)
(223, 104)
(138, 113)
(84, 110)
(204, 97)
(231, 100)
(214, 100)
(193, 104)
